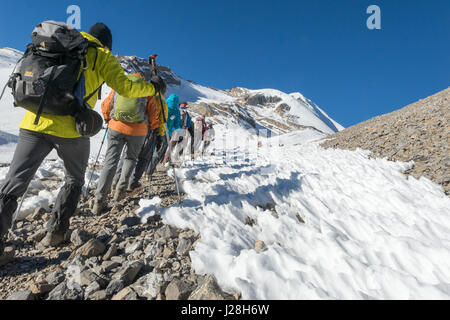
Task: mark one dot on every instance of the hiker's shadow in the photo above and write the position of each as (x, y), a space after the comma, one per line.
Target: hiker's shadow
(190, 203)
(261, 195)
(192, 173)
(29, 265)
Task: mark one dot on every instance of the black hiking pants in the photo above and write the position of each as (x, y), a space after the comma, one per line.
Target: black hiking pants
(158, 154)
(146, 155)
(191, 133)
(31, 150)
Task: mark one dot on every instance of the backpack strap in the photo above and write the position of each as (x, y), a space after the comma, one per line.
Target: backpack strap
(4, 88)
(12, 78)
(94, 45)
(93, 93)
(41, 103)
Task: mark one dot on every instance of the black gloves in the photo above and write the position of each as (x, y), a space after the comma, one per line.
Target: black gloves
(159, 84)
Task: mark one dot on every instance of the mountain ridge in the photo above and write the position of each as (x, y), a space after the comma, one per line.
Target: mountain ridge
(261, 109)
(418, 132)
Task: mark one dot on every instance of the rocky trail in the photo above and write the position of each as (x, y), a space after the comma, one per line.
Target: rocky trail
(110, 256)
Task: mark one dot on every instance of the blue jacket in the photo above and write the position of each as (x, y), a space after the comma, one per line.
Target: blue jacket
(188, 119)
(173, 101)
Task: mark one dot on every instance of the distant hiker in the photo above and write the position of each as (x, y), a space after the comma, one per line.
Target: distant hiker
(174, 115)
(173, 122)
(158, 154)
(149, 148)
(209, 136)
(128, 122)
(61, 132)
(181, 136)
(188, 125)
(204, 134)
(200, 128)
(186, 120)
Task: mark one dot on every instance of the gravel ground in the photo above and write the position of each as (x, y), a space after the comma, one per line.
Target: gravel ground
(115, 256)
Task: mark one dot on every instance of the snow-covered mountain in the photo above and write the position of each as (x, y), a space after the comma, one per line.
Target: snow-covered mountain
(9, 116)
(9, 57)
(269, 109)
(279, 217)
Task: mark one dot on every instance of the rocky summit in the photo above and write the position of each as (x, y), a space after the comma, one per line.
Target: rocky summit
(419, 132)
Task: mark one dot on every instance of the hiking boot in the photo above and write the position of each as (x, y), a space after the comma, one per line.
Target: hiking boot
(52, 239)
(113, 186)
(2, 246)
(119, 195)
(6, 254)
(98, 207)
(134, 185)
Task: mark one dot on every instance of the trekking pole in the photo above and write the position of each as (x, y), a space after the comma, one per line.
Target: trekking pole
(148, 177)
(3, 91)
(152, 59)
(16, 213)
(95, 164)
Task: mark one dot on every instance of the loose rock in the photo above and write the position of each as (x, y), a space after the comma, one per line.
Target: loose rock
(178, 290)
(79, 236)
(209, 290)
(129, 272)
(260, 245)
(125, 294)
(22, 295)
(91, 248)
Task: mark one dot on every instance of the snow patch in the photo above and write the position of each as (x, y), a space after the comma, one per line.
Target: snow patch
(148, 208)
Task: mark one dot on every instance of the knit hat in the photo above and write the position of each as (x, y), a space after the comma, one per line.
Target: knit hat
(183, 105)
(102, 33)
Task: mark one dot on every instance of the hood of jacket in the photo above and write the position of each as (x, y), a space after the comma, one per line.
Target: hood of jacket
(173, 101)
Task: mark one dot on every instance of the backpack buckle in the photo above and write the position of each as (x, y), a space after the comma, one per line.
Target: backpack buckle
(12, 80)
(84, 64)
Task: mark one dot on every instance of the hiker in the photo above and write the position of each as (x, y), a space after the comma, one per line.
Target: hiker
(128, 122)
(185, 116)
(174, 116)
(149, 148)
(62, 133)
(158, 154)
(199, 133)
(188, 125)
(209, 136)
(173, 122)
(204, 134)
(181, 136)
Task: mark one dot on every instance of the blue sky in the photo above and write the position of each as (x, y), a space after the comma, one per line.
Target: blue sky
(321, 48)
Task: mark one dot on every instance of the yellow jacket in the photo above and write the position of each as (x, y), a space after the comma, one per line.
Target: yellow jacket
(166, 112)
(107, 69)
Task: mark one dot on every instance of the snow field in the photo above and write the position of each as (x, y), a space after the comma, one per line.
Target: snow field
(369, 233)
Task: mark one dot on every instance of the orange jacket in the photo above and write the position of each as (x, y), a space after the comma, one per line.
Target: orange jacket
(128, 128)
(155, 119)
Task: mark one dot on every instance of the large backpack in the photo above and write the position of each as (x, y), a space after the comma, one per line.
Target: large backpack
(129, 109)
(45, 80)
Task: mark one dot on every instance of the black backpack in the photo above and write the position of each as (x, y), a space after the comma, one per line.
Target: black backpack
(45, 78)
